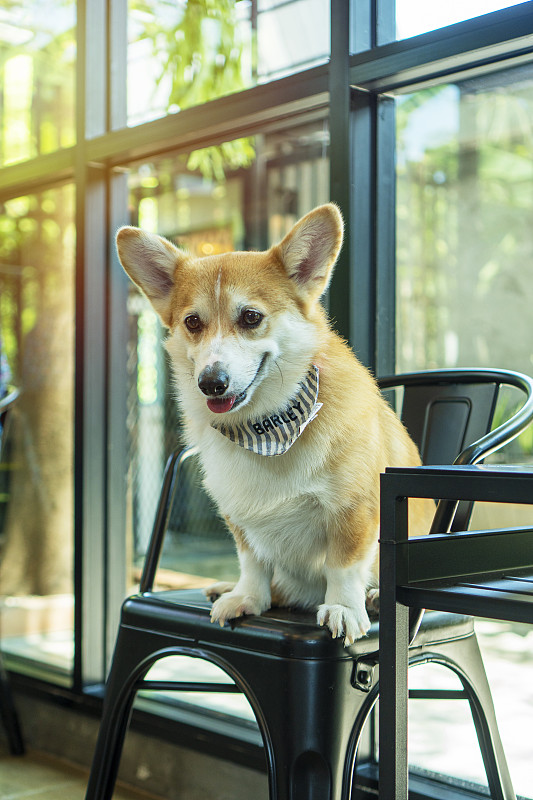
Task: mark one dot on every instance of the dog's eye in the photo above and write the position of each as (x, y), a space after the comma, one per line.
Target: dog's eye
(193, 323)
(250, 318)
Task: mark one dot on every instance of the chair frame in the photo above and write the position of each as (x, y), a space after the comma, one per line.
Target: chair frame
(406, 582)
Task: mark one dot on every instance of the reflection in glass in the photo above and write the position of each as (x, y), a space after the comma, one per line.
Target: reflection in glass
(36, 523)
(464, 210)
(182, 54)
(37, 78)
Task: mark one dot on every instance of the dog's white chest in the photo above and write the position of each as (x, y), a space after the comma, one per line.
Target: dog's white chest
(281, 507)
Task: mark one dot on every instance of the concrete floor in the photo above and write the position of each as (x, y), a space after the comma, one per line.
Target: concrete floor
(42, 777)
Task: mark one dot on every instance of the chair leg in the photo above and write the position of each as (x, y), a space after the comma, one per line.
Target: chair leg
(109, 744)
(393, 668)
(367, 703)
(9, 715)
(305, 730)
(118, 702)
(464, 658)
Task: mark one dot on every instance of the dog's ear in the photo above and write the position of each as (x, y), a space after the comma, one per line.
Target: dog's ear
(310, 249)
(150, 261)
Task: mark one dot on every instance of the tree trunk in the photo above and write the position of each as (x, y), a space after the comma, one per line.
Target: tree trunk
(38, 554)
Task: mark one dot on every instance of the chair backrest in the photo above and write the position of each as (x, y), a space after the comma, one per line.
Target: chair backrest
(449, 414)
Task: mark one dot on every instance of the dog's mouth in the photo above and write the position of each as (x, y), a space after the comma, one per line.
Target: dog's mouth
(221, 405)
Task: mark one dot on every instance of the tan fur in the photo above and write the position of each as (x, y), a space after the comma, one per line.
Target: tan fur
(305, 523)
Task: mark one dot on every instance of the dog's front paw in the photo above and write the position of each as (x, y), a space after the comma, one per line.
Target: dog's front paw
(344, 621)
(231, 605)
(214, 591)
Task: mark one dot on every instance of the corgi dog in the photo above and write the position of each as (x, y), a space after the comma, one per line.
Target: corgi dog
(291, 429)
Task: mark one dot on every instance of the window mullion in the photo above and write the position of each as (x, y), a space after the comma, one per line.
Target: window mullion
(341, 164)
(90, 389)
(385, 236)
(117, 315)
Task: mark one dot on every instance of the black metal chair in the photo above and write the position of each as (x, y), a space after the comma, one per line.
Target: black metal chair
(311, 695)
(488, 573)
(7, 706)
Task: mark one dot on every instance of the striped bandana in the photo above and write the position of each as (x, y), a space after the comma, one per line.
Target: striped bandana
(273, 435)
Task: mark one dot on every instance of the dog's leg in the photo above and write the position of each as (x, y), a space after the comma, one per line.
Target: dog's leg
(344, 608)
(251, 594)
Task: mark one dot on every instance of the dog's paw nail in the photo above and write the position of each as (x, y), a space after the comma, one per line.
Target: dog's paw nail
(344, 621)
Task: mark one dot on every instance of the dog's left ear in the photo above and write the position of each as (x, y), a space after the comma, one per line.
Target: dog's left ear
(310, 249)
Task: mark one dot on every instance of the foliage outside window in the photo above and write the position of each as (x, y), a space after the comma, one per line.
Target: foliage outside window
(37, 76)
(465, 155)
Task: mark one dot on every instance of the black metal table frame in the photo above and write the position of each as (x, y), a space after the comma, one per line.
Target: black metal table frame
(412, 573)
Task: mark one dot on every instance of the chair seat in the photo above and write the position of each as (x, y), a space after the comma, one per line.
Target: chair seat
(501, 596)
(281, 632)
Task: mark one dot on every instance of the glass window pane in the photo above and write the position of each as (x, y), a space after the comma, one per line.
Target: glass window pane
(442, 736)
(417, 16)
(280, 50)
(465, 283)
(182, 54)
(465, 204)
(36, 512)
(37, 78)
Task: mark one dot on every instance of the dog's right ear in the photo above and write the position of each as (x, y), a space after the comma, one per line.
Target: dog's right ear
(151, 262)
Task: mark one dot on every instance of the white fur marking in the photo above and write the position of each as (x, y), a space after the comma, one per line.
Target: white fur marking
(217, 297)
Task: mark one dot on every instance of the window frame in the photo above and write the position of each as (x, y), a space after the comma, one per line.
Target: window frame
(354, 88)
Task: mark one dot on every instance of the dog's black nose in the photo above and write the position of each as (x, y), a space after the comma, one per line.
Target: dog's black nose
(213, 380)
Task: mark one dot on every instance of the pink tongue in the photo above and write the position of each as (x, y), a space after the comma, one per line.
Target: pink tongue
(219, 405)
